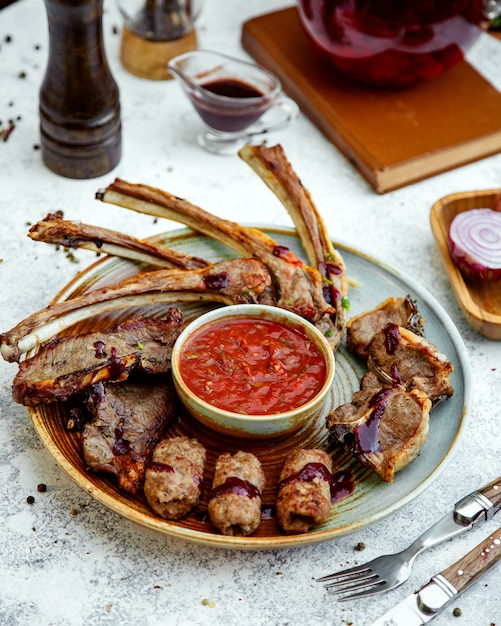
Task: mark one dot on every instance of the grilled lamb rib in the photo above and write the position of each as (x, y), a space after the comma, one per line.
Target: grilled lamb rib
(383, 428)
(271, 164)
(127, 421)
(55, 230)
(69, 365)
(230, 282)
(298, 287)
(360, 329)
(390, 338)
(399, 357)
(386, 422)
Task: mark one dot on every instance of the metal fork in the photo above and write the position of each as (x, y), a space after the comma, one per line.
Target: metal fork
(389, 571)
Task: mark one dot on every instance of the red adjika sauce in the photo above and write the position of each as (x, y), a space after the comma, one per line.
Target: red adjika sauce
(253, 367)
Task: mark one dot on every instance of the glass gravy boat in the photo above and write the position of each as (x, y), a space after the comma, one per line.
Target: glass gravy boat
(237, 101)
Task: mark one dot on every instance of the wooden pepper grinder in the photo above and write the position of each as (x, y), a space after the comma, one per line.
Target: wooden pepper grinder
(80, 122)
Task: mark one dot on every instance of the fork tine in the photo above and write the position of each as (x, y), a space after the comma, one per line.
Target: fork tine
(354, 582)
(343, 573)
(373, 590)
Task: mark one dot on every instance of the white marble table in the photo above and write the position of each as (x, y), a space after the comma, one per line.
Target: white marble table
(66, 559)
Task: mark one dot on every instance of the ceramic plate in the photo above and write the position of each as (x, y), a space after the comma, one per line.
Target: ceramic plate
(371, 499)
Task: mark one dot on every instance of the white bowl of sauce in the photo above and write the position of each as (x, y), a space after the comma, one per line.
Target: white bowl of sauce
(253, 371)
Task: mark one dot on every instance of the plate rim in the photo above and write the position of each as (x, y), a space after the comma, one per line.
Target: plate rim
(167, 528)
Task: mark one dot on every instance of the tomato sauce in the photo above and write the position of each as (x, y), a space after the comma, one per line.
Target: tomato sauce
(253, 367)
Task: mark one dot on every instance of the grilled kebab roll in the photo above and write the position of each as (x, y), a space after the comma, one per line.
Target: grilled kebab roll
(235, 499)
(304, 491)
(174, 476)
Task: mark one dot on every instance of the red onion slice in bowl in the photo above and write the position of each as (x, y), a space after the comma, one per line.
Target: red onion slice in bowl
(474, 242)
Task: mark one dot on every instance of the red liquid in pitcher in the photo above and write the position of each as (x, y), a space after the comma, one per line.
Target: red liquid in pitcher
(392, 42)
(242, 105)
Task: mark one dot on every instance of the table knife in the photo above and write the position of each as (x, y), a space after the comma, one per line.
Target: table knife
(423, 605)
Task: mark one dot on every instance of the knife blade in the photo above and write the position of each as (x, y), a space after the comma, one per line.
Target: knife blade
(426, 603)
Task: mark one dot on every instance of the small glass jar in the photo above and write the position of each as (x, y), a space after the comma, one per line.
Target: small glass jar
(156, 31)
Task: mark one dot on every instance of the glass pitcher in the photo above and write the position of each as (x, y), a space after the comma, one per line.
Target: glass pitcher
(395, 42)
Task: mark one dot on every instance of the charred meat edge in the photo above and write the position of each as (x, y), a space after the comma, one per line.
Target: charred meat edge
(393, 424)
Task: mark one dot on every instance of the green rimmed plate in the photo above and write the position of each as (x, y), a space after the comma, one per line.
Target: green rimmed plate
(371, 499)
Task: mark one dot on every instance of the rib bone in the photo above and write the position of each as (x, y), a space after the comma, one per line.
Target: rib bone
(55, 230)
(232, 281)
(299, 287)
(271, 164)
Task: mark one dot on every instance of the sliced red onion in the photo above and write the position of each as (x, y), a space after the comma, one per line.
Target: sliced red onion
(474, 241)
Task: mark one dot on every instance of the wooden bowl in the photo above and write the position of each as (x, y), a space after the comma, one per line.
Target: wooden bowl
(479, 301)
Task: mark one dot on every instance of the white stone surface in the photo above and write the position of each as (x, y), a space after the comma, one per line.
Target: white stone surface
(95, 568)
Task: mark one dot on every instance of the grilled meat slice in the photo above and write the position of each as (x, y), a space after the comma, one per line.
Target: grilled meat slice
(127, 421)
(304, 491)
(398, 356)
(232, 281)
(360, 330)
(55, 230)
(297, 287)
(174, 477)
(271, 164)
(384, 428)
(69, 365)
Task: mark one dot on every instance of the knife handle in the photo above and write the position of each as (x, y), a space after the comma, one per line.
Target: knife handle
(492, 492)
(475, 563)
(479, 505)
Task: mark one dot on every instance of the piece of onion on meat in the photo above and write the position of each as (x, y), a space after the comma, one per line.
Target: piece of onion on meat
(474, 241)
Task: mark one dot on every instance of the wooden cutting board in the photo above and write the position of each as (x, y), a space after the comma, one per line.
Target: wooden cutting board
(393, 136)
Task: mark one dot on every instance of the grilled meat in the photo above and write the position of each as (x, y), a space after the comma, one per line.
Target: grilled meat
(304, 491)
(296, 287)
(235, 498)
(386, 422)
(271, 164)
(55, 230)
(230, 282)
(127, 421)
(174, 477)
(69, 365)
(361, 329)
(384, 428)
(399, 357)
